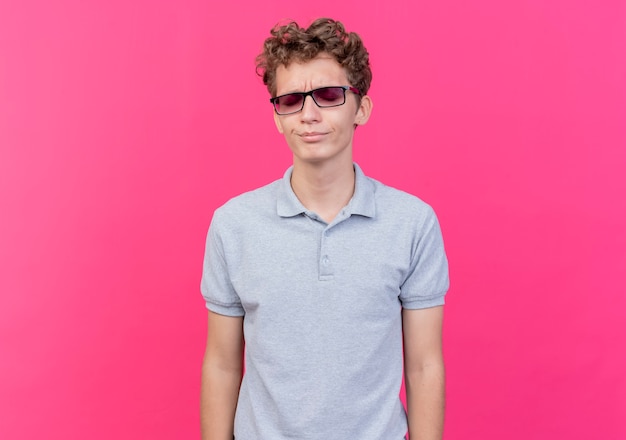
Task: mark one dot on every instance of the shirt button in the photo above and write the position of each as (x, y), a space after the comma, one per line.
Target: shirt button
(325, 260)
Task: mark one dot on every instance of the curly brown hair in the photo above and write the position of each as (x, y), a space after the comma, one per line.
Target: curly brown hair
(291, 42)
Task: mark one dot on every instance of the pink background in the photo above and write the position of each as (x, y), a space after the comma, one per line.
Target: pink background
(124, 124)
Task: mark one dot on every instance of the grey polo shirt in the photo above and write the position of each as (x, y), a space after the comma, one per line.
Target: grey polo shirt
(321, 305)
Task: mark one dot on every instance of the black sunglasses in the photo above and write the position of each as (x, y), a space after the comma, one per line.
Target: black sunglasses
(323, 97)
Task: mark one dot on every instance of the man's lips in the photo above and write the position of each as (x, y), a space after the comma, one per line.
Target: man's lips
(312, 135)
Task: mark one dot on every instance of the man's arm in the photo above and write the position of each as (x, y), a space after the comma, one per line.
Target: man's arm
(222, 370)
(424, 372)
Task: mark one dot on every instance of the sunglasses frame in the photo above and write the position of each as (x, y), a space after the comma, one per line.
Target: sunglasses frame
(310, 93)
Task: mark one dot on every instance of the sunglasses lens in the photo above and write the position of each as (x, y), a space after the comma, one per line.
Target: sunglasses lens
(323, 97)
(329, 96)
(289, 103)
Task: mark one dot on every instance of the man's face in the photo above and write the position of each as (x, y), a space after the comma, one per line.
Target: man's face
(317, 135)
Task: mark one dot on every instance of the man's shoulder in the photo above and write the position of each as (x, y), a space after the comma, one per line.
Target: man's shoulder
(251, 202)
(396, 201)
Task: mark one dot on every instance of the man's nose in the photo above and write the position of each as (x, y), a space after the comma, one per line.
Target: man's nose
(310, 110)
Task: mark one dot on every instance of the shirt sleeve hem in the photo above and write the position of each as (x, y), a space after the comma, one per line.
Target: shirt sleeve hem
(423, 303)
(226, 310)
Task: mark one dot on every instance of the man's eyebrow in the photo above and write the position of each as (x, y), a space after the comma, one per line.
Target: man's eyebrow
(305, 91)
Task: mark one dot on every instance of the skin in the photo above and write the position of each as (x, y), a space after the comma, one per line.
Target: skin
(424, 372)
(323, 179)
(320, 139)
(222, 370)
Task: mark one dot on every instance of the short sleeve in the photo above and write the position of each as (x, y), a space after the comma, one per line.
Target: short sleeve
(216, 287)
(427, 281)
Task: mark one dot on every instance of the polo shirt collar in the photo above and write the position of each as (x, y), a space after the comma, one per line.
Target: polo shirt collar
(362, 203)
(288, 204)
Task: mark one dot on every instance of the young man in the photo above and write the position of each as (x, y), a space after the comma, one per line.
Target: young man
(329, 277)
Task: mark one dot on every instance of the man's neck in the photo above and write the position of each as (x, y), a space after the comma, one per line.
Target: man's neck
(324, 188)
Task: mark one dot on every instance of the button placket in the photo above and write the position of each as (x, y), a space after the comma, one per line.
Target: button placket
(325, 263)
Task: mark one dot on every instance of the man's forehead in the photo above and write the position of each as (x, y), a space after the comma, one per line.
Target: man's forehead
(322, 70)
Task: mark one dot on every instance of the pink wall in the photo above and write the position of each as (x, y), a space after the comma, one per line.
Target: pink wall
(123, 125)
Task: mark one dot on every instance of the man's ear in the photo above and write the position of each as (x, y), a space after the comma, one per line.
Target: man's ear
(364, 111)
(278, 123)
